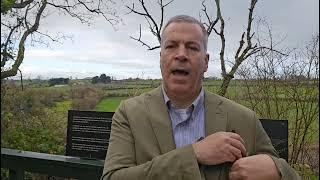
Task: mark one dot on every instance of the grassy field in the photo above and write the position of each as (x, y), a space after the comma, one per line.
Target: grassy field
(109, 104)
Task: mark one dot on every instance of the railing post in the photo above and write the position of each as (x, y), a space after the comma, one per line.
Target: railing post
(16, 174)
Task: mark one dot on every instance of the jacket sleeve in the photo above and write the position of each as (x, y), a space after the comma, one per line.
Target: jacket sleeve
(264, 146)
(121, 164)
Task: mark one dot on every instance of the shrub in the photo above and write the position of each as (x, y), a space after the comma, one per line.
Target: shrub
(86, 97)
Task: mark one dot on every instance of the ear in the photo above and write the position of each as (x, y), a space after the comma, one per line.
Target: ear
(206, 63)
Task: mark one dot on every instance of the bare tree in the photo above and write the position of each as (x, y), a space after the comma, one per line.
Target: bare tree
(154, 26)
(287, 87)
(245, 49)
(20, 20)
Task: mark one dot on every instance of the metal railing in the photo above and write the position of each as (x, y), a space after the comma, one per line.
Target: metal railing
(18, 162)
(86, 169)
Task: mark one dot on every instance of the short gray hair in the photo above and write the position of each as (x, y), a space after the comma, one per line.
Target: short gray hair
(188, 19)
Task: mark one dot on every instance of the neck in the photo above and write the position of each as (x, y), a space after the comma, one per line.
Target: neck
(182, 100)
(180, 104)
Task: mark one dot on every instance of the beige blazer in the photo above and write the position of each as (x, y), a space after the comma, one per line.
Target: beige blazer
(141, 145)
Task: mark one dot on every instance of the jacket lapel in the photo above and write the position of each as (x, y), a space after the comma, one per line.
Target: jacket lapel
(215, 121)
(160, 120)
(215, 117)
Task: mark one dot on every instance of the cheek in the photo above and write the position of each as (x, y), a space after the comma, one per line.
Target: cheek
(164, 67)
(164, 62)
(200, 67)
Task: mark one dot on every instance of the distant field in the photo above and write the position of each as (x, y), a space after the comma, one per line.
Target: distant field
(237, 91)
(109, 104)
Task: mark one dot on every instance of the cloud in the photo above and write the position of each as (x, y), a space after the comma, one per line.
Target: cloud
(100, 49)
(113, 56)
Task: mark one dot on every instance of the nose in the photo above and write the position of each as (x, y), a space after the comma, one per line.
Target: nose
(181, 54)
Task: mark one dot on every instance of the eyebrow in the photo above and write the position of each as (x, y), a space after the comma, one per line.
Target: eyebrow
(170, 41)
(193, 43)
(176, 42)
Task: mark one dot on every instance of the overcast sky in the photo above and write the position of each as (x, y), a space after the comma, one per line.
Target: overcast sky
(98, 48)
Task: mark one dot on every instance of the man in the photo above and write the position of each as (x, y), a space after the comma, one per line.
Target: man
(180, 131)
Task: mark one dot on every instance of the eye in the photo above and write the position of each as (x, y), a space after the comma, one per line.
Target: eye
(170, 46)
(194, 48)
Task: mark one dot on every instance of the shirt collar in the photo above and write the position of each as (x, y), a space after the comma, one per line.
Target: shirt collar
(196, 103)
(165, 96)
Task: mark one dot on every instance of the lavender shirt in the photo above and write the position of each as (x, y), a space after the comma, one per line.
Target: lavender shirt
(188, 123)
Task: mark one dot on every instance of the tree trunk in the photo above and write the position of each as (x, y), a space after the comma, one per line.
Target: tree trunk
(21, 79)
(224, 86)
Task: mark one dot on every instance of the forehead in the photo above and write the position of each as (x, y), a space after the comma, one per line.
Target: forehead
(182, 30)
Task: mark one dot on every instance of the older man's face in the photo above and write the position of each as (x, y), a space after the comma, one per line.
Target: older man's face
(183, 58)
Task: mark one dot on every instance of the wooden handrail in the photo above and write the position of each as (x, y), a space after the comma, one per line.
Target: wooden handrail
(54, 165)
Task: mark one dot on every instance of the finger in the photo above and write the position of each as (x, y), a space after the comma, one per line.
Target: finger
(237, 144)
(236, 136)
(235, 166)
(233, 175)
(236, 153)
(231, 154)
(229, 157)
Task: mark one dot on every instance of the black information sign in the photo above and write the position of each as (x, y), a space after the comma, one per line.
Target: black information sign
(88, 134)
(278, 133)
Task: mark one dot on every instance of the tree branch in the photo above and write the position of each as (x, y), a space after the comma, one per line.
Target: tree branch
(211, 23)
(5, 54)
(240, 46)
(22, 4)
(30, 12)
(20, 56)
(143, 43)
(222, 38)
(97, 11)
(154, 27)
(67, 10)
(249, 50)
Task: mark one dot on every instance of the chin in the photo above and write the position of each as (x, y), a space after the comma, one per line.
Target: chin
(179, 88)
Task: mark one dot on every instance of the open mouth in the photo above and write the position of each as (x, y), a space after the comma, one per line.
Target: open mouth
(180, 72)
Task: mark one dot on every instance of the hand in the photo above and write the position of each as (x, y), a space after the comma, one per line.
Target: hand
(219, 147)
(259, 167)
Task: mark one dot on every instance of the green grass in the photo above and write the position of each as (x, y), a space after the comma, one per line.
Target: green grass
(62, 106)
(109, 104)
(123, 92)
